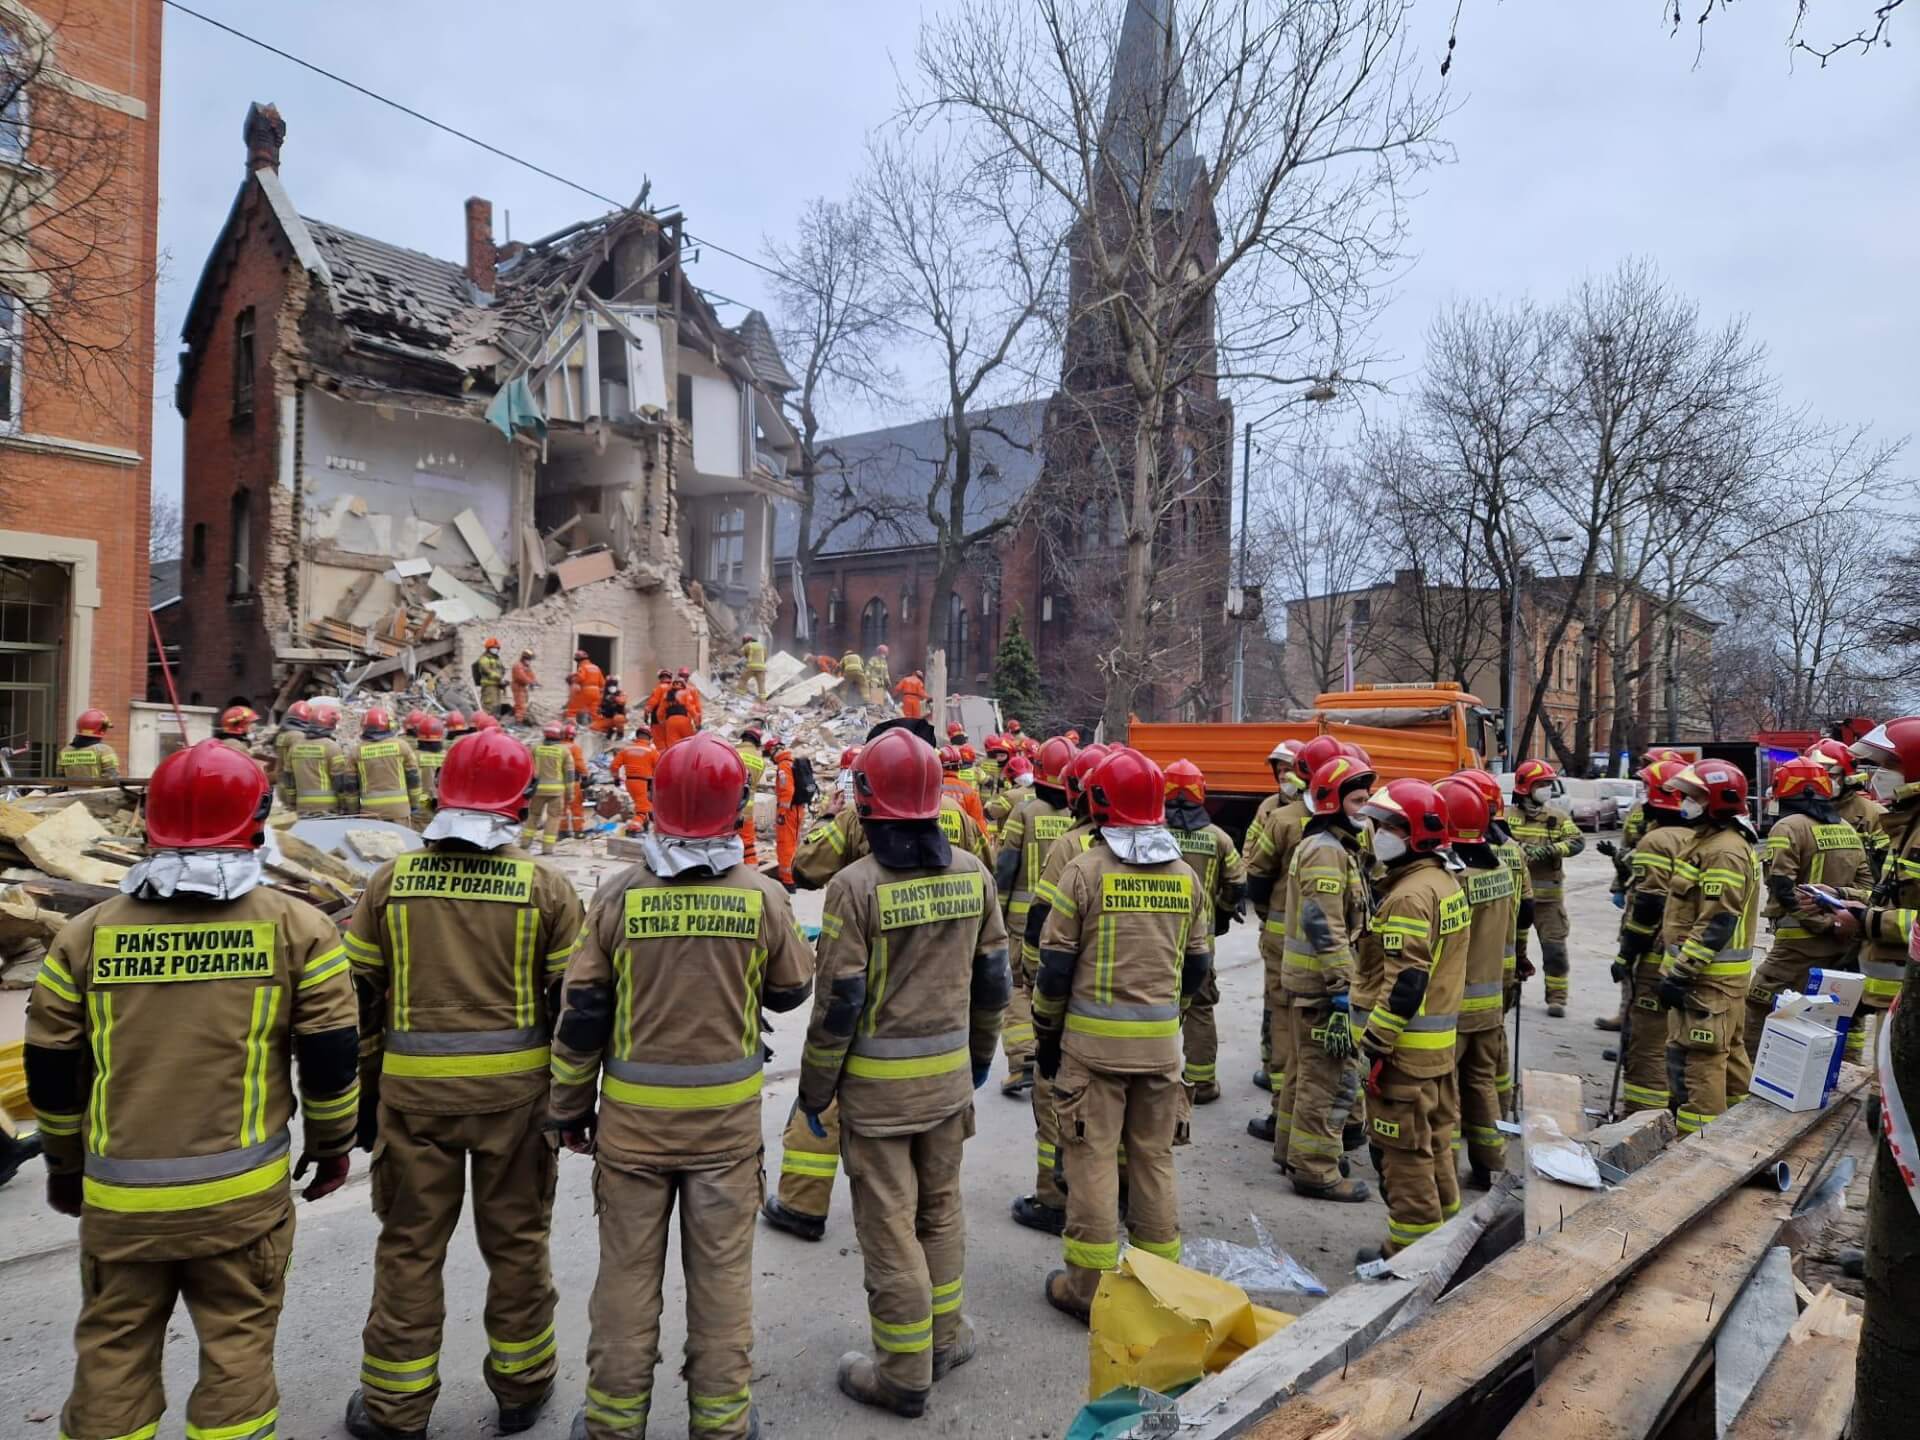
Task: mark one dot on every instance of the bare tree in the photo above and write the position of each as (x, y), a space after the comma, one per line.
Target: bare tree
(1871, 31)
(1309, 118)
(165, 529)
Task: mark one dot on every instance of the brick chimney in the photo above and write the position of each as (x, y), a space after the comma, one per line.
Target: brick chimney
(482, 258)
(264, 132)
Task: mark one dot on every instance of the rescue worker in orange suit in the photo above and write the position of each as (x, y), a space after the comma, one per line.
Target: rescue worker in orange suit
(1655, 863)
(457, 952)
(656, 707)
(1890, 755)
(1808, 845)
(431, 755)
(912, 692)
(634, 767)
(752, 752)
(1408, 980)
(1123, 949)
(584, 687)
(1712, 917)
(88, 756)
(1549, 839)
(1223, 880)
(657, 1073)
(522, 682)
(612, 719)
(383, 771)
(932, 911)
(1275, 834)
(809, 1160)
(787, 816)
(1480, 1046)
(677, 713)
(163, 1107)
(964, 794)
(696, 705)
(553, 777)
(1037, 819)
(577, 792)
(236, 730)
(1045, 1209)
(315, 779)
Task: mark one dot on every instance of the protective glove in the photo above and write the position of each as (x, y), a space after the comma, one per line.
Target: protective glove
(1540, 853)
(1619, 898)
(367, 1130)
(329, 1174)
(64, 1193)
(1336, 1036)
(575, 1134)
(1046, 1054)
(980, 1074)
(1409, 989)
(813, 1122)
(1607, 848)
(1619, 971)
(1673, 992)
(1524, 968)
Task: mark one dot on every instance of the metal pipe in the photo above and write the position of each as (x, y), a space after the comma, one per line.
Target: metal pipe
(1240, 620)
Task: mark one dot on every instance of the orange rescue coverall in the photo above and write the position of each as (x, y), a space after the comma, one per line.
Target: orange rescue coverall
(523, 680)
(583, 693)
(633, 767)
(786, 836)
(913, 697)
(577, 801)
(968, 800)
(677, 715)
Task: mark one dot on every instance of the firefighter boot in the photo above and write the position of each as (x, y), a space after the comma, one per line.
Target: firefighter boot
(1346, 1192)
(363, 1426)
(950, 1357)
(524, 1416)
(807, 1227)
(1061, 1295)
(1034, 1213)
(860, 1380)
(1261, 1127)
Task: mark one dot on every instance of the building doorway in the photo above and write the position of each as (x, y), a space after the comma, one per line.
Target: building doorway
(34, 602)
(602, 650)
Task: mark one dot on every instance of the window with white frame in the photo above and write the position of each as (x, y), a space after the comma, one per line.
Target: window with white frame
(12, 341)
(727, 547)
(14, 68)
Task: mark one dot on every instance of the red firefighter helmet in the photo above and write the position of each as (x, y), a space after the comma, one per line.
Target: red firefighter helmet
(1084, 763)
(1489, 787)
(949, 757)
(490, 771)
(1717, 784)
(684, 673)
(848, 756)
(1836, 756)
(237, 720)
(492, 642)
(1019, 766)
(376, 719)
(955, 730)
(1893, 746)
(92, 722)
(1415, 804)
(1337, 775)
(1314, 753)
(1126, 788)
(999, 745)
(699, 786)
(881, 650)
(968, 755)
(1528, 775)
(579, 655)
(897, 777)
(1056, 754)
(207, 797)
(432, 727)
(1186, 781)
(1466, 807)
(411, 723)
(1666, 752)
(554, 730)
(326, 715)
(567, 732)
(483, 721)
(1013, 727)
(1804, 776)
(300, 712)
(456, 722)
(1357, 751)
(1658, 778)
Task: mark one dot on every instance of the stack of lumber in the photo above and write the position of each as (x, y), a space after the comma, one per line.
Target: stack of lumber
(1664, 1306)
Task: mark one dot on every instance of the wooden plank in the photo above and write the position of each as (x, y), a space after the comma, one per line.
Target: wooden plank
(1807, 1392)
(1756, 1327)
(1412, 1381)
(1556, 1098)
(356, 592)
(481, 544)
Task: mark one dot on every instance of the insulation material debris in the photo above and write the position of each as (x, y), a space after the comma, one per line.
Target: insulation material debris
(475, 534)
(59, 847)
(449, 587)
(578, 570)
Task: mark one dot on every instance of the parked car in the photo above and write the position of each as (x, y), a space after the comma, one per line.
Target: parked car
(1597, 804)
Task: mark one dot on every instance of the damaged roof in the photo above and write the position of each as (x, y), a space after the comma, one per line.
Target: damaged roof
(388, 292)
(763, 353)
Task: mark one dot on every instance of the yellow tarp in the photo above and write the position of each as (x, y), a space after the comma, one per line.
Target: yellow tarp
(13, 1080)
(1158, 1324)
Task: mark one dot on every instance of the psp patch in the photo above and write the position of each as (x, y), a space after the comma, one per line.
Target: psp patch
(930, 900)
(708, 912)
(1700, 1037)
(431, 875)
(1145, 894)
(1388, 1128)
(161, 954)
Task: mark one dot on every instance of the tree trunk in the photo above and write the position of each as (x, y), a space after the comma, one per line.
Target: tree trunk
(1887, 1379)
(1669, 650)
(939, 602)
(1130, 669)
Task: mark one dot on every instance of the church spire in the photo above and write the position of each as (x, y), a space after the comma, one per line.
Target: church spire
(1148, 86)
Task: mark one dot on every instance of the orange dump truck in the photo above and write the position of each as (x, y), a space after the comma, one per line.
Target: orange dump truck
(1425, 731)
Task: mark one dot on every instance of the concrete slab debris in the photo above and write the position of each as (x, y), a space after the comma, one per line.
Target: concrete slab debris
(335, 836)
(475, 534)
(578, 570)
(59, 845)
(450, 587)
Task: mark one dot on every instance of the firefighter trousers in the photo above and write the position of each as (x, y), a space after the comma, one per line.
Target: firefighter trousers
(1643, 1077)
(1322, 1093)
(1550, 924)
(1480, 1057)
(233, 1299)
(1099, 1112)
(1283, 1072)
(1200, 1036)
(913, 1244)
(786, 841)
(716, 1211)
(809, 1162)
(1409, 1130)
(1273, 999)
(1047, 1159)
(1783, 969)
(419, 1174)
(545, 816)
(1016, 1031)
(1707, 1066)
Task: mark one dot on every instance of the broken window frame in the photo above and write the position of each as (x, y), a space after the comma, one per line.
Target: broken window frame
(240, 546)
(13, 334)
(244, 362)
(722, 530)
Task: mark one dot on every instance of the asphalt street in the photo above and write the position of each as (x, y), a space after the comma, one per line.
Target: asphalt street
(1031, 1371)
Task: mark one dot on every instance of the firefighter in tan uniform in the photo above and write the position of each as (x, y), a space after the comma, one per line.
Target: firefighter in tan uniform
(431, 753)
(1712, 916)
(1271, 838)
(658, 1066)
(160, 1043)
(1409, 978)
(384, 772)
(1657, 856)
(1046, 1208)
(553, 777)
(1223, 880)
(1514, 857)
(235, 730)
(1808, 845)
(88, 756)
(1549, 839)
(1123, 948)
(913, 983)
(295, 725)
(1887, 921)
(1480, 1047)
(1033, 823)
(315, 779)
(1854, 804)
(456, 951)
(1325, 904)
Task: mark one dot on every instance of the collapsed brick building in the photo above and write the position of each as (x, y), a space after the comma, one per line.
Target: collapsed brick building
(390, 456)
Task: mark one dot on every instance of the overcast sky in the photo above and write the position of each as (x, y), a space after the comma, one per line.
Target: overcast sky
(1583, 135)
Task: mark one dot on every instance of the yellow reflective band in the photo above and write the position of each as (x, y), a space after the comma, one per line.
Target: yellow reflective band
(1165, 1249)
(907, 1339)
(145, 1432)
(1727, 967)
(1123, 1029)
(917, 1067)
(682, 1097)
(1403, 1232)
(400, 1377)
(1091, 1256)
(526, 931)
(162, 1199)
(459, 1067)
(362, 949)
(1426, 1040)
(1050, 894)
(259, 1428)
(336, 1108)
(58, 980)
(1382, 1018)
(100, 1034)
(325, 968)
(55, 1124)
(716, 1412)
(1121, 892)
(565, 1072)
(161, 954)
(556, 959)
(947, 1298)
(1475, 1003)
(1692, 1121)
(510, 1357)
(1401, 925)
(253, 1099)
(400, 946)
(1016, 1034)
(803, 1162)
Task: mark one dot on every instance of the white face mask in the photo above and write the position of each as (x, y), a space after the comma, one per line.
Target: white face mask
(1884, 783)
(1692, 809)
(1387, 845)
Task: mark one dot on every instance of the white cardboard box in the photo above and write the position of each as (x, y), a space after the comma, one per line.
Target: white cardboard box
(1799, 1058)
(1845, 986)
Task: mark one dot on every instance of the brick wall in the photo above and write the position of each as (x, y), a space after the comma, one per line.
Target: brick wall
(889, 577)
